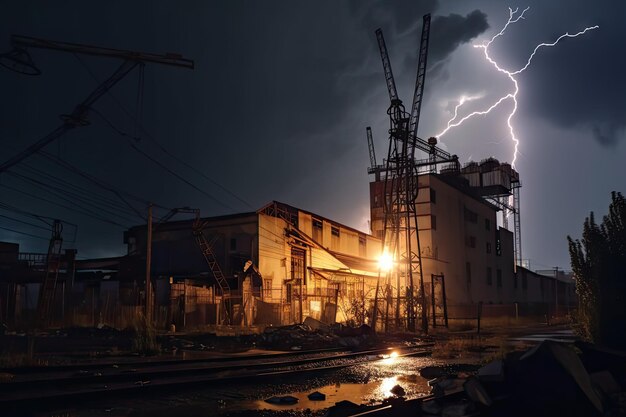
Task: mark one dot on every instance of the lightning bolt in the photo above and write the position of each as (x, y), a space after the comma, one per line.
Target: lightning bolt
(462, 101)
(514, 17)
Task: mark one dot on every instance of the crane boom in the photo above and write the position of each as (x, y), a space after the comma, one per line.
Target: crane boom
(391, 84)
(19, 41)
(370, 144)
(78, 117)
(421, 76)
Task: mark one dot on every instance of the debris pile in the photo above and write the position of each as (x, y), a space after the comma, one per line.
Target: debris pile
(296, 337)
(548, 380)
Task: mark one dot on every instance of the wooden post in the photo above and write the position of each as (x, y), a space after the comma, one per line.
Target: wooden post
(148, 306)
(479, 312)
(445, 303)
(432, 299)
(301, 297)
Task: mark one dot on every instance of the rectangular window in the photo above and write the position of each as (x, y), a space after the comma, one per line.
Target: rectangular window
(317, 230)
(470, 216)
(488, 247)
(489, 277)
(470, 241)
(334, 238)
(233, 244)
(433, 222)
(267, 288)
(468, 273)
(288, 292)
(362, 246)
(498, 244)
(487, 224)
(433, 196)
(499, 278)
(298, 266)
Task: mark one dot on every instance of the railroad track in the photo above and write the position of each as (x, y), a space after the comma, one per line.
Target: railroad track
(50, 387)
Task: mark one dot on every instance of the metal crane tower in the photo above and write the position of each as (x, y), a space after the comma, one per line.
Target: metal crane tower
(400, 233)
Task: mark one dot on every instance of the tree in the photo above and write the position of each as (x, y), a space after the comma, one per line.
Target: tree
(599, 266)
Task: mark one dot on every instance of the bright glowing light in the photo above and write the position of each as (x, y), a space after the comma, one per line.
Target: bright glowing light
(393, 354)
(385, 261)
(386, 385)
(514, 17)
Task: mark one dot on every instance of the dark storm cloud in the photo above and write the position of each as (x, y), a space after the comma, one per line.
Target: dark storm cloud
(449, 32)
(579, 84)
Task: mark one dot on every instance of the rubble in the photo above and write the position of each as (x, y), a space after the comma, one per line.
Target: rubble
(316, 396)
(398, 391)
(284, 400)
(296, 337)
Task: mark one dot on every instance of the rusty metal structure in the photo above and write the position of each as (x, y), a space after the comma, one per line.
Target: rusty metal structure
(400, 175)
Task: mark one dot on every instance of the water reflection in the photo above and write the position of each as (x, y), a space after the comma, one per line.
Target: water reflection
(386, 384)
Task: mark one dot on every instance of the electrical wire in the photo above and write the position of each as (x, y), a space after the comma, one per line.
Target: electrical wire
(23, 233)
(24, 222)
(55, 191)
(91, 215)
(119, 193)
(74, 197)
(96, 197)
(157, 162)
(150, 137)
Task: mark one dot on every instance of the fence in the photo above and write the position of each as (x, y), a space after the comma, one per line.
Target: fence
(480, 315)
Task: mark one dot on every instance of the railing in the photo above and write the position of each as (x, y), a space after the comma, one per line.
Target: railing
(33, 259)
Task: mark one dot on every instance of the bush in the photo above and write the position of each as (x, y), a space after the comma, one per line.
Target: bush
(144, 339)
(599, 266)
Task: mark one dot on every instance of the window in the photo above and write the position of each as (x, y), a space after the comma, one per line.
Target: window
(499, 278)
(488, 247)
(470, 241)
(433, 222)
(317, 230)
(487, 224)
(362, 246)
(298, 263)
(489, 277)
(498, 244)
(233, 244)
(433, 196)
(468, 273)
(334, 238)
(470, 216)
(288, 292)
(267, 288)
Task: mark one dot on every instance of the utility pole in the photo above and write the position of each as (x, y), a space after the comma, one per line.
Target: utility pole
(149, 304)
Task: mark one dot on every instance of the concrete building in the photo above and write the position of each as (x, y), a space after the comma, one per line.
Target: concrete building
(460, 239)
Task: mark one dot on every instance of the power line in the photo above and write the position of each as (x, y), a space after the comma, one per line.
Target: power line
(51, 190)
(152, 138)
(119, 193)
(13, 209)
(95, 196)
(24, 233)
(157, 162)
(56, 190)
(93, 216)
(24, 222)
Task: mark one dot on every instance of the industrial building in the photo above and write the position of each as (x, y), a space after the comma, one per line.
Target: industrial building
(442, 229)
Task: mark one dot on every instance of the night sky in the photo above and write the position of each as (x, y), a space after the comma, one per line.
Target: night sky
(277, 105)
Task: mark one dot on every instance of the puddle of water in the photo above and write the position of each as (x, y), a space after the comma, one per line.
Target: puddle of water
(379, 378)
